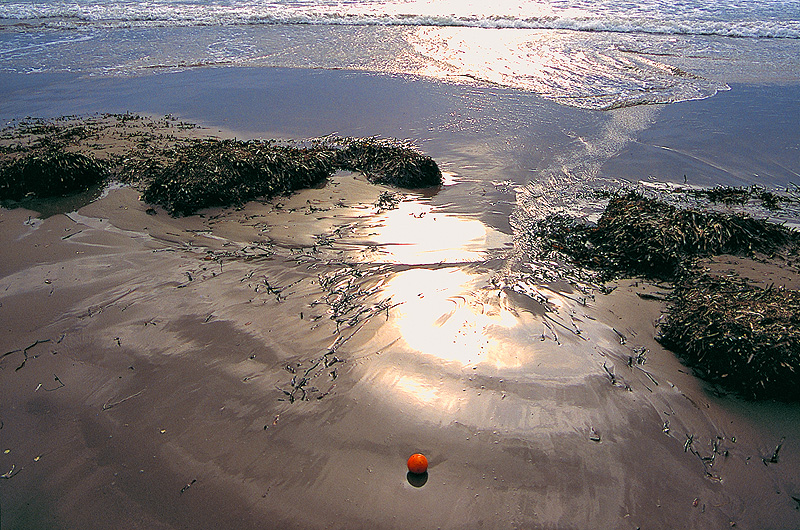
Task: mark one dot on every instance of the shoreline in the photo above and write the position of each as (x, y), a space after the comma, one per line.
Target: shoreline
(185, 347)
(295, 103)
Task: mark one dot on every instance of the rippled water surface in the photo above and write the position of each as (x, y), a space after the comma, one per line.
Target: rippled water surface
(596, 55)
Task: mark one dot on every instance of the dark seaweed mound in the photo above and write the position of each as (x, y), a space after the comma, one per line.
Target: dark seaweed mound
(207, 173)
(228, 172)
(742, 337)
(738, 336)
(643, 236)
(48, 158)
(389, 162)
(51, 173)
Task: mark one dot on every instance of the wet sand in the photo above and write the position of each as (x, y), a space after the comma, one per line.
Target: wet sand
(169, 393)
(273, 366)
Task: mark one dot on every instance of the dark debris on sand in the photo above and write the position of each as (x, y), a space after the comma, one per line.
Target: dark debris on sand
(740, 196)
(387, 162)
(638, 235)
(40, 158)
(49, 173)
(205, 173)
(737, 335)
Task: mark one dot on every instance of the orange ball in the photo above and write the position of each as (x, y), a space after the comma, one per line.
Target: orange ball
(417, 463)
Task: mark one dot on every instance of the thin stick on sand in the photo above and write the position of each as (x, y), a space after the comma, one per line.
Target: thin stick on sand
(108, 405)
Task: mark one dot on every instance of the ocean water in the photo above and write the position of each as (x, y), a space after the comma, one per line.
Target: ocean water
(594, 55)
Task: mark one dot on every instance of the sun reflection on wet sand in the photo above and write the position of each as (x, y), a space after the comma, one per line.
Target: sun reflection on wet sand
(417, 388)
(439, 316)
(415, 233)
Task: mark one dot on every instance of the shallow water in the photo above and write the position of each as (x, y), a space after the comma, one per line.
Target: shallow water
(597, 55)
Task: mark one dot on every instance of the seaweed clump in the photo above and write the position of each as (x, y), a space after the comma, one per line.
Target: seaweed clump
(210, 173)
(737, 195)
(50, 173)
(644, 236)
(740, 336)
(388, 162)
(184, 173)
(47, 159)
(206, 173)
(737, 335)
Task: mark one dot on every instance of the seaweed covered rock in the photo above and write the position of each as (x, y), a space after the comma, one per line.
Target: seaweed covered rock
(645, 236)
(739, 336)
(49, 173)
(210, 173)
(388, 162)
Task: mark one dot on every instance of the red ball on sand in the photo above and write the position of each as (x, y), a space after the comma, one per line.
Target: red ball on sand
(417, 463)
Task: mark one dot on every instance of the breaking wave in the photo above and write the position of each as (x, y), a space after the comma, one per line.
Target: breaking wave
(650, 20)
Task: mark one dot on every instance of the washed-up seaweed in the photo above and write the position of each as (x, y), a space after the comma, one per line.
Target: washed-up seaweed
(209, 173)
(46, 134)
(389, 162)
(49, 173)
(638, 235)
(739, 336)
(740, 196)
(41, 158)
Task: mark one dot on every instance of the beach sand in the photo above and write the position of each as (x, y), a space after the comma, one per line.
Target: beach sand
(274, 365)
